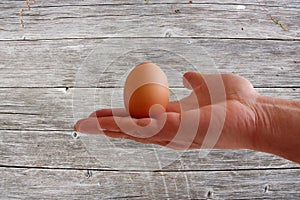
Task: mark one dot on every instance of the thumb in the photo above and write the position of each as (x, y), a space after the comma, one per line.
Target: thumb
(196, 82)
(192, 80)
(209, 88)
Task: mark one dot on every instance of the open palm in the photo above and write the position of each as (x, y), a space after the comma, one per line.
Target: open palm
(219, 113)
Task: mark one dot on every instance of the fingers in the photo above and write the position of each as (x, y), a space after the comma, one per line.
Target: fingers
(136, 139)
(192, 80)
(209, 88)
(121, 112)
(198, 83)
(114, 123)
(110, 123)
(126, 136)
(89, 125)
(203, 96)
(173, 106)
(157, 131)
(109, 127)
(94, 125)
(128, 127)
(156, 110)
(142, 128)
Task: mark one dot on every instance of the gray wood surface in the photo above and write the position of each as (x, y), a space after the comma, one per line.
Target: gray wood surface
(92, 20)
(89, 63)
(72, 57)
(45, 117)
(59, 149)
(90, 184)
(57, 109)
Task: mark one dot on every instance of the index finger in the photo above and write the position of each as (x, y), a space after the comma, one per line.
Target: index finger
(142, 128)
(120, 112)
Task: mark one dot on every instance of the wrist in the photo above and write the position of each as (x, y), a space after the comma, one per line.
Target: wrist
(277, 127)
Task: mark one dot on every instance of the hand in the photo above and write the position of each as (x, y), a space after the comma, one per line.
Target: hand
(192, 121)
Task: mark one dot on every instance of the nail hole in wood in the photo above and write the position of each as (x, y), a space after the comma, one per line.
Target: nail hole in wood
(88, 174)
(209, 194)
(266, 189)
(75, 135)
(168, 34)
(67, 88)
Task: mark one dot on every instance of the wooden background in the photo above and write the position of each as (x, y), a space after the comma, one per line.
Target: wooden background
(58, 57)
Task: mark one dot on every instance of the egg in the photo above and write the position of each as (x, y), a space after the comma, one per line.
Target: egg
(145, 86)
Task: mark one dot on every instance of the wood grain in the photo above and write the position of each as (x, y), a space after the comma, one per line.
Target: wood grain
(71, 59)
(36, 130)
(59, 149)
(102, 63)
(279, 3)
(58, 109)
(210, 20)
(79, 184)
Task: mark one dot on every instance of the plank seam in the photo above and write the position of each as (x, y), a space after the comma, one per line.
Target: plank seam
(111, 87)
(141, 37)
(141, 171)
(157, 3)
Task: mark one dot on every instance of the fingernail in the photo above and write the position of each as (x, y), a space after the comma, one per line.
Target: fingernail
(187, 75)
(76, 126)
(186, 80)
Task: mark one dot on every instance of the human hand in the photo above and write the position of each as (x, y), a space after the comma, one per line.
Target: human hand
(217, 102)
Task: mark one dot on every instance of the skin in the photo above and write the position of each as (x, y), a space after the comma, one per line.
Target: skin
(252, 121)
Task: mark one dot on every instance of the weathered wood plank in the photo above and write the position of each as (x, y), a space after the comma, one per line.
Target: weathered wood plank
(45, 110)
(36, 123)
(279, 3)
(58, 109)
(59, 149)
(76, 63)
(229, 20)
(80, 184)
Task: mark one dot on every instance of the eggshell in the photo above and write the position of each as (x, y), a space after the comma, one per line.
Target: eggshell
(145, 86)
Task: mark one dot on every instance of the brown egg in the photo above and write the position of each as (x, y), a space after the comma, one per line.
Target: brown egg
(145, 86)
